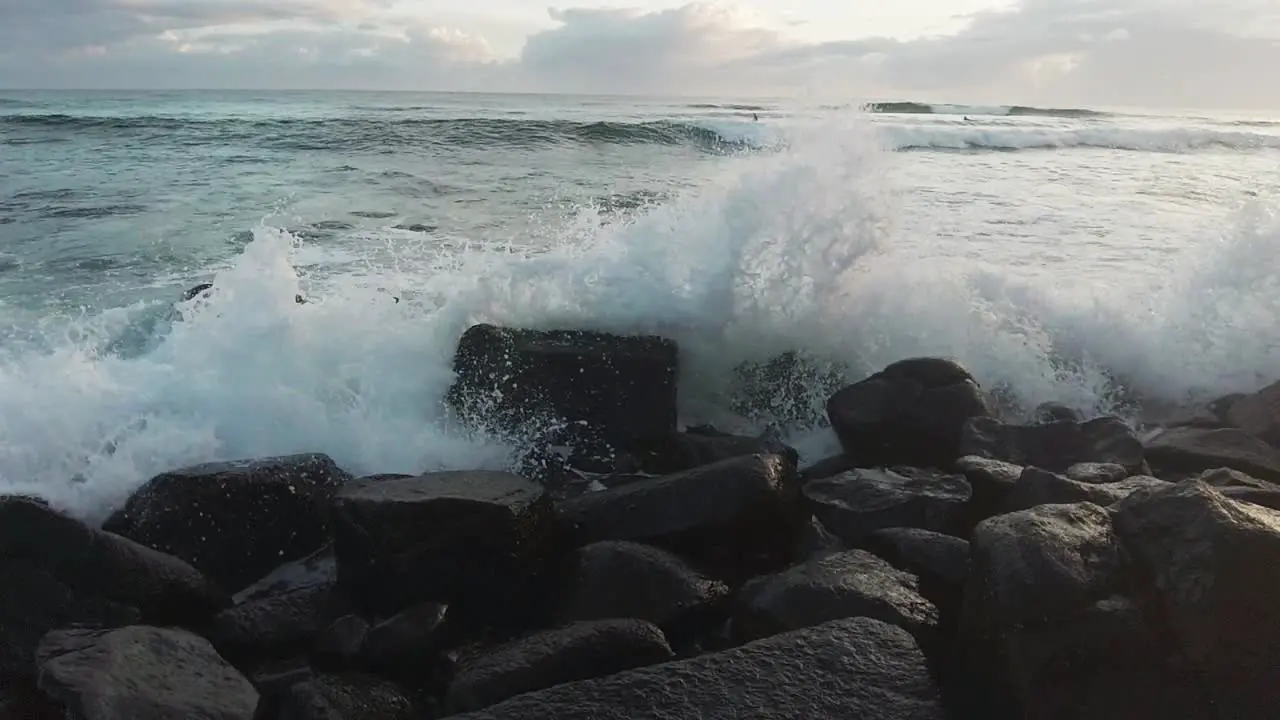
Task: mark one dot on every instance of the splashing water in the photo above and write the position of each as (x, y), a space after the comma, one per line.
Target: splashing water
(785, 251)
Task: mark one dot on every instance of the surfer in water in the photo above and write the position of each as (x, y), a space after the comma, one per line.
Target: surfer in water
(755, 117)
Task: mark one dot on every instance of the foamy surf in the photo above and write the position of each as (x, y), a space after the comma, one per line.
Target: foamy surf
(794, 250)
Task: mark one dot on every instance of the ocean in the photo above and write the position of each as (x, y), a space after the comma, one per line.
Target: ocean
(1083, 256)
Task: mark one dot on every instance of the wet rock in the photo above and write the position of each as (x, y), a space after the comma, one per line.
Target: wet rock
(827, 467)
(912, 412)
(1097, 473)
(940, 562)
(1041, 487)
(991, 480)
(441, 537)
(59, 572)
(347, 696)
(1056, 446)
(620, 389)
(1051, 412)
(234, 521)
(277, 626)
(579, 651)
(1226, 477)
(1257, 414)
(412, 638)
(317, 570)
(341, 644)
(816, 541)
(703, 446)
(1183, 451)
(1210, 563)
(853, 504)
(728, 515)
(630, 580)
(138, 673)
(856, 668)
(1033, 571)
(848, 584)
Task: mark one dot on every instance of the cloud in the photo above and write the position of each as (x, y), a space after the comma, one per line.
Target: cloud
(1082, 52)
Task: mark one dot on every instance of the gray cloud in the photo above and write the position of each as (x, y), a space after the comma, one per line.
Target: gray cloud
(1081, 52)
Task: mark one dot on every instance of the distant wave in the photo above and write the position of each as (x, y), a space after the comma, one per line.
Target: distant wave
(977, 138)
(916, 108)
(311, 133)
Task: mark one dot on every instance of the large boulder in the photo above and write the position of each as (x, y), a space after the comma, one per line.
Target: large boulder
(578, 651)
(276, 626)
(941, 562)
(619, 390)
(848, 584)
(726, 515)
(471, 536)
(910, 413)
(991, 480)
(1211, 562)
(411, 640)
(855, 668)
(344, 696)
(235, 521)
(141, 673)
(59, 572)
(619, 579)
(1258, 414)
(1041, 487)
(704, 445)
(855, 503)
(1179, 452)
(1056, 446)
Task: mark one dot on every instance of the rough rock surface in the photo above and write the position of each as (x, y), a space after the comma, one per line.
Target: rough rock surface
(704, 445)
(855, 668)
(1180, 452)
(941, 562)
(1258, 414)
(991, 480)
(1055, 446)
(1097, 473)
(347, 696)
(235, 521)
(855, 503)
(1041, 487)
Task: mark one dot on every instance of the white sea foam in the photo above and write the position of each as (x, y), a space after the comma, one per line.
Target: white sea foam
(786, 250)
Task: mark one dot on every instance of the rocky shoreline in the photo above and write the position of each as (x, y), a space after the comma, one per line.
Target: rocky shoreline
(948, 564)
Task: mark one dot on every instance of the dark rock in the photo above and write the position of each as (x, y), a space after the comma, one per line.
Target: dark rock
(1226, 477)
(1051, 412)
(853, 504)
(827, 467)
(848, 584)
(579, 651)
(59, 572)
(21, 700)
(1257, 414)
(1032, 572)
(234, 521)
(630, 580)
(141, 673)
(386, 476)
(703, 446)
(912, 412)
(726, 515)
(196, 290)
(816, 541)
(1209, 561)
(1266, 497)
(1056, 446)
(416, 228)
(1184, 451)
(622, 390)
(941, 562)
(440, 537)
(1097, 473)
(277, 626)
(342, 643)
(856, 668)
(1041, 487)
(317, 570)
(347, 696)
(991, 480)
(410, 638)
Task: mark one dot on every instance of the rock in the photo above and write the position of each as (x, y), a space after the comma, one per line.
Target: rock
(1226, 477)
(940, 562)
(411, 639)
(1258, 414)
(1097, 473)
(59, 572)
(703, 446)
(855, 668)
(441, 537)
(1184, 451)
(1033, 571)
(853, 504)
(341, 645)
(1210, 562)
(816, 541)
(277, 626)
(622, 390)
(234, 521)
(579, 651)
(725, 515)
(630, 580)
(848, 584)
(991, 480)
(827, 467)
(1041, 487)
(912, 412)
(1265, 497)
(21, 700)
(317, 570)
(1056, 446)
(141, 673)
(1051, 412)
(347, 696)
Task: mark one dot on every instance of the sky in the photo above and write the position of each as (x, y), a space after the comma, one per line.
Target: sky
(1100, 53)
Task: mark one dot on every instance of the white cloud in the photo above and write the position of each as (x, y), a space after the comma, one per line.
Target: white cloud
(1085, 52)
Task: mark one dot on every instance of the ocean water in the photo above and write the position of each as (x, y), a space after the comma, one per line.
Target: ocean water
(1081, 256)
